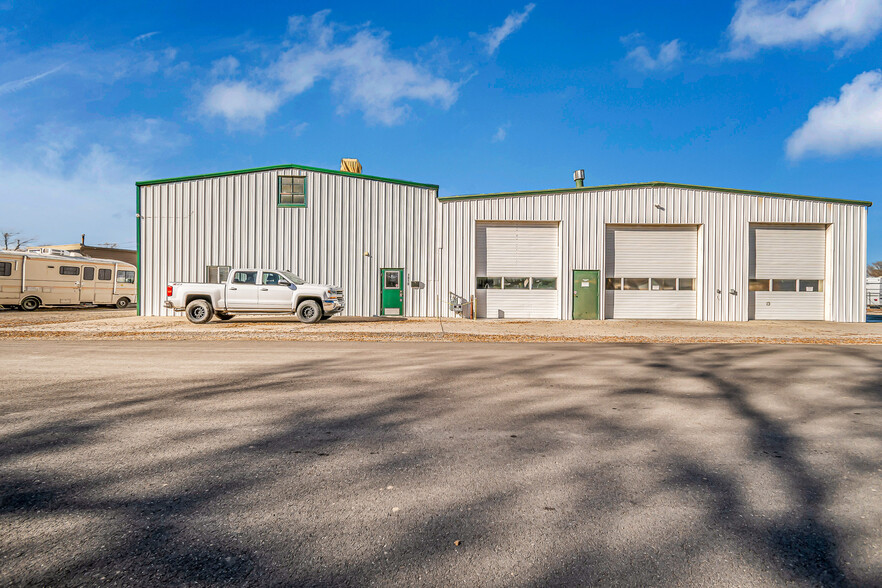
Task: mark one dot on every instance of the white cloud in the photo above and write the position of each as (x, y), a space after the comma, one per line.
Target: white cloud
(501, 133)
(669, 54)
(851, 123)
(496, 35)
(765, 23)
(225, 66)
(16, 85)
(359, 67)
(239, 102)
(144, 37)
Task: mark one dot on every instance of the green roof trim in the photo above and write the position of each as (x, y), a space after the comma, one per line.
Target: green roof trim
(287, 166)
(654, 185)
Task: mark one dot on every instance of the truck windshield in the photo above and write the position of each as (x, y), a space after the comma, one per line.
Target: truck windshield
(292, 278)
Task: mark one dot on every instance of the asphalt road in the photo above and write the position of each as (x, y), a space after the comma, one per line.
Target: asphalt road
(278, 463)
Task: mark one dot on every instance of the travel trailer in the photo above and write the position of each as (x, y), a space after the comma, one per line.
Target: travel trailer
(874, 292)
(31, 279)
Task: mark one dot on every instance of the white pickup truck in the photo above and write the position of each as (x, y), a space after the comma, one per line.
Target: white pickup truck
(255, 291)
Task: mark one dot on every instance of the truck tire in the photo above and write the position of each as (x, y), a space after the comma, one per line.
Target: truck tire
(122, 303)
(223, 316)
(30, 303)
(199, 312)
(309, 312)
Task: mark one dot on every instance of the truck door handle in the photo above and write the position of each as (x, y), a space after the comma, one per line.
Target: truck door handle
(234, 288)
(264, 289)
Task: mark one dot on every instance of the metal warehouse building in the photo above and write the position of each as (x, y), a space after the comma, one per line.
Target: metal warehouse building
(649, 250)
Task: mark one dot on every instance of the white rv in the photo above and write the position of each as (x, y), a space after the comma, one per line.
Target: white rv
(35, 278)
(874, 292)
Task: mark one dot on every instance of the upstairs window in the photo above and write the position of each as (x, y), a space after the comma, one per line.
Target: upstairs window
(292, 191)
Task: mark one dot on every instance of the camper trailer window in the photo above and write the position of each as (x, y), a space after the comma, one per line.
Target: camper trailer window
(105, 274)
(125, 277)
(88, 273)
(5, 268)
(69, 270)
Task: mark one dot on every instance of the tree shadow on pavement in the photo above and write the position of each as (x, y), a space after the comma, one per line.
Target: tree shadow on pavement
(439, 465)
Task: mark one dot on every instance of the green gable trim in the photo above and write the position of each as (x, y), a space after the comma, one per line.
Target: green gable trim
(287, 166)
(653, 185)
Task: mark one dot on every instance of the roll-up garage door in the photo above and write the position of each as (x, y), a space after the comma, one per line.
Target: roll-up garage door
(787, 267)
(517, 270)
(651, 272)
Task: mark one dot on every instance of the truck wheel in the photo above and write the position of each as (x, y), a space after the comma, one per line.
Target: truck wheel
(199, 312)
(309, 312)
(122, 303)
(223, 316)
(30, 303)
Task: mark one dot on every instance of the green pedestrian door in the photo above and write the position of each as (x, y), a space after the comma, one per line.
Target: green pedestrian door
(391, 292)
(586, 294)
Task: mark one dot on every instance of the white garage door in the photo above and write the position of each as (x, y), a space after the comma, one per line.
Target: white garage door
(787, 266)
(517, 270)
(651, 271)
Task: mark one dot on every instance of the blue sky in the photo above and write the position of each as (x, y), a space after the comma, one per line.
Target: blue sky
(477, 97)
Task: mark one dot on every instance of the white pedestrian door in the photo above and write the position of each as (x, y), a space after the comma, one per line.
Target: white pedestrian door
(651, 272)
(87, 285)
(274, 293)
(517, 270)
(787, 267)
(243, 291)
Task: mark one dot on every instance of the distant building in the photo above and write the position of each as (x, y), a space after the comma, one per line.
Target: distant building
(125, 255)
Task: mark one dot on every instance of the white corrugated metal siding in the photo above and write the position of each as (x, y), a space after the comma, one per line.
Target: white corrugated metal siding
(524, 250)
(234, 220)
(723, 219)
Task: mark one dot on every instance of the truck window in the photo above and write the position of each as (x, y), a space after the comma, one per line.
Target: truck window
(69, 270)
(245, 278)
(105, 274)
(217, 274)
(88, 273)
(271, 279)
(5, 268)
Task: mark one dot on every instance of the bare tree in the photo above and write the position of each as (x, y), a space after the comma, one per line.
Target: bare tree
(13, 240)
(874, 270)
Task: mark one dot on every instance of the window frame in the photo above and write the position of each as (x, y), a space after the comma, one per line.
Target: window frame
(75, 272)
(217, 270)
(496, 280)
(279, 202)
(103, 271)
(254, 283)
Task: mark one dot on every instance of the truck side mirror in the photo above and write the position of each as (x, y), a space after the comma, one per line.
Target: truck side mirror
(284, 283)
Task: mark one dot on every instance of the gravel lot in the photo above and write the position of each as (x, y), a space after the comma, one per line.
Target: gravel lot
(392, 464)
(114, 324)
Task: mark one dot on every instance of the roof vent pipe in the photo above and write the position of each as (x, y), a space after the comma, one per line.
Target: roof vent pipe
(579, 178)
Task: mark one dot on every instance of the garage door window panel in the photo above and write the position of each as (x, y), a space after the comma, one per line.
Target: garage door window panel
(686, 284)
(758, 285)
(783, 285)
(516, 283)
(664, 284)
(489, 283)
(544, 283)
(636, 283)
(811, 285)
(614, 283)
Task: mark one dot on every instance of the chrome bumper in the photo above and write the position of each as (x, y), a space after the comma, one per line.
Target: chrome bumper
(332, 306)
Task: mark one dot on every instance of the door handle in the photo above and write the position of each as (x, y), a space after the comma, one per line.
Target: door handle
(264, 289)
(234, 288)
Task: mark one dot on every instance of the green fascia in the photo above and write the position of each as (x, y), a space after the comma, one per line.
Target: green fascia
(653, 185)
(138, 247)
(287, 166)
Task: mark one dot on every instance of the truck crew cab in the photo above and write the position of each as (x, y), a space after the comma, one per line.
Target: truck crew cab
(255, 291)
